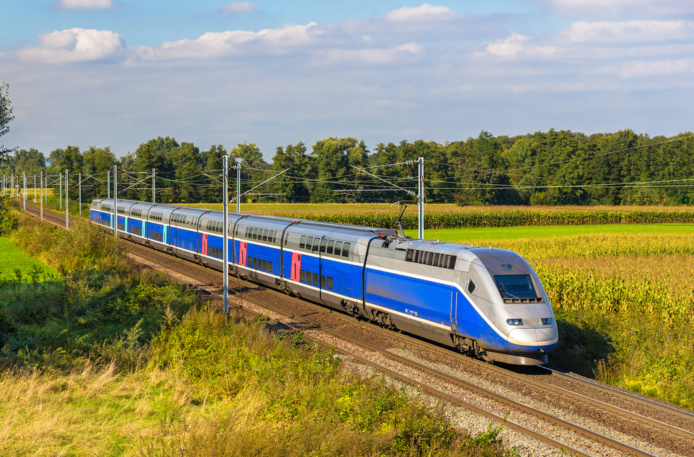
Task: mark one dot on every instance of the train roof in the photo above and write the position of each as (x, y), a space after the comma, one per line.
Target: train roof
(331, 225)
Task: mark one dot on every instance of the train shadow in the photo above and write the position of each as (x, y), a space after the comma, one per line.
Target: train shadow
(580, 350)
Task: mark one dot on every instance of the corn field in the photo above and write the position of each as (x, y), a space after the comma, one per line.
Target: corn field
(441, 216)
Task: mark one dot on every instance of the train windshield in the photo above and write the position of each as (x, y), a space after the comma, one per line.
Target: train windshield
(515, 286)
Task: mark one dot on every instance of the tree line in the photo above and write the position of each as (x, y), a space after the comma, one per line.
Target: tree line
(543, 168)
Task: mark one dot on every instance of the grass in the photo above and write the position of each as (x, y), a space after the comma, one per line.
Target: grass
(15, 265)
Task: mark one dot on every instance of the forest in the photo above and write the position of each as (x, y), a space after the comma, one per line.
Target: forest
(543, 168)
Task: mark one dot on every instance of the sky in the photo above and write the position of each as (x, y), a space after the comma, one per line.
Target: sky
(119, 72)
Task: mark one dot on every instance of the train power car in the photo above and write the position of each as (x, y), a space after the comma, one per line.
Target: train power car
(485, 302)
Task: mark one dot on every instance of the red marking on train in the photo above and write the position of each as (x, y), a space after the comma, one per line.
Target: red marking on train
(204, 244)
(296, 266)
(242, 253)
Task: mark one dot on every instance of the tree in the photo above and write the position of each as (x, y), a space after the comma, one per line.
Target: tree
(5, 115)
(212, 163)
(252, 166)
(293, 184)
(97, 163)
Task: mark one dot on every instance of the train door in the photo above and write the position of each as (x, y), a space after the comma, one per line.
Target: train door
(203, 251)
(296, 266)
(243, 248)
(347, 285)
(454, 311)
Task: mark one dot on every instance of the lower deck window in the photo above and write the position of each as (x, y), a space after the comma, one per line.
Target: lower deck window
(156, 236)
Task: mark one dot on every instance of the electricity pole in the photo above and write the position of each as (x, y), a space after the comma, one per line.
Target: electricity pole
(108, 184)
(25, 191)
(238, 184)
(80, 191)
(42, 190)
(115, 201)
(225, 229)
(154, 187)
(67, 214)
(34, 188)
(420, 196)
(60, 191)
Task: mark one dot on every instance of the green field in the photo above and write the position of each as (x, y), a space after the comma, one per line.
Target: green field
(13, 259)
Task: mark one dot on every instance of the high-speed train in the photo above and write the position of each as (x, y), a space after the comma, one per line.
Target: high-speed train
(485, 302)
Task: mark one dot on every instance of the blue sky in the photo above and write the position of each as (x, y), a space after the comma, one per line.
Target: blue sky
(119, 72)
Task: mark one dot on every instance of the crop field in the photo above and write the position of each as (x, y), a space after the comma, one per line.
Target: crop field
(623, 296)
(438, 216)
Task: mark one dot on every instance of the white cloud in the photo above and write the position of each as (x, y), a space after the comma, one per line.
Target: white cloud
(84, 4)
(518, 45)
(215, 44)
(374, 55)
(621, 8)
(239, 7)
(74, 45)
(657, 68)
(630, 31)
(425, 12)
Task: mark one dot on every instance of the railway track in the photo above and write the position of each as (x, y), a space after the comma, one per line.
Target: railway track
(667, 427)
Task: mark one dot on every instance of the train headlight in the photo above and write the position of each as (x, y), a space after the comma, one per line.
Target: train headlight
(514, 321)
(547, 321)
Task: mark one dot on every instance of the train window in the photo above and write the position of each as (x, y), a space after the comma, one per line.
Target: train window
(338, 247)
(269, 267)
(316, 242)
(451, 262)
(309, 243)
(248, 232)
(330, 283)
(264, 265)
(345, 250)
(471, 286)
(265, 232)
(322, 281)
(331, 245)
(315, 279)
(515, 286)
(302, 243)
(409, 255)
(323, 242)
(302, 275)
(435, 262)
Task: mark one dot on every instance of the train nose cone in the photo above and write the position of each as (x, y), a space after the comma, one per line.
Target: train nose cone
(546, 335)
(523, 337)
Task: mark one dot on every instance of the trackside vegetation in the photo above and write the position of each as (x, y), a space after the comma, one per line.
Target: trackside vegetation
(102, 357)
